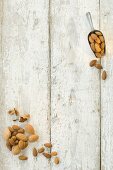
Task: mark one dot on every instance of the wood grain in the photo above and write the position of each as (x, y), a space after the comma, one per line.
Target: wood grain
(24, 67)
(75, 107)
(106, 23)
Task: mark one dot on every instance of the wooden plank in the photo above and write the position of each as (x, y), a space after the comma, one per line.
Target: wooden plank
(75, 108)
(106, 23)
(24, 74)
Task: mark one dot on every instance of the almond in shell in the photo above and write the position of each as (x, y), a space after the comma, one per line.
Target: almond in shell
(21, 144)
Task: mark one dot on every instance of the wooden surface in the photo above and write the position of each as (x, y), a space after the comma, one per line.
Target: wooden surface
(44, 71)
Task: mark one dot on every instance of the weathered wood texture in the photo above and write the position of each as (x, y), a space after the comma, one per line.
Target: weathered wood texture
(24, 67)
(75, 107)
(106, 25)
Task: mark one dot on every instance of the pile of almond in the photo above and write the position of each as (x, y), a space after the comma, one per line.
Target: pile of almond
(97, 44)
(18, 138)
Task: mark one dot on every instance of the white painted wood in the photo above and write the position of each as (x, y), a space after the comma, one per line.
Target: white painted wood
(75, 108)
(106, 13)
(24, 68)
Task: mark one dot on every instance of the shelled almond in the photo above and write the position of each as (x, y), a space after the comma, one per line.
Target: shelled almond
(18, 138)
(97, 43)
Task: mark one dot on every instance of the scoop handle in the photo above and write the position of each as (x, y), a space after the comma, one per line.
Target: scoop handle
(88, 15)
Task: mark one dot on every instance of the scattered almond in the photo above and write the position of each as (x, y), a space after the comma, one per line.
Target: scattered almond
(98, 66)
(54, 153)
(48, 145)
(33, 138)
(35, 153)
(40, 150)
(29, 129)
(92, 63)
(47, 155)
(56, 160)
(23, 158)
(16, 150)
(104, 75)
(22, 137)
(21, 144)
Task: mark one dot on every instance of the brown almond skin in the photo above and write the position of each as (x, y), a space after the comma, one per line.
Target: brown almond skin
(48, 145)
(12, 142)
(29, 129)
(40, 150)
(23, 158)
(92, 63)
(21, 136)
(97, 47)
(94, 36)
(21, 144)
(47, 155)
(33, 138)
(15, 127)
(16, 150)
(54, 153)
(35, 153)
(98, 66)
(56, 160)
(91, 40)
(21, 130)
(98, 33)
(104, 75)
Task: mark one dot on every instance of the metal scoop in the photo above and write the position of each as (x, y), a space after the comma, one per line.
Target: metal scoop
(96, 39)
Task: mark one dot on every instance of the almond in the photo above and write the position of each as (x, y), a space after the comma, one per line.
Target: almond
(48, 145)
(14, 138)
(35, 153)
(25, 144)
(11, 129)
(90, 39)
(40, 150)
(92, 63)
(101, 38)
(7, 134)
(98, 66)
(23, 157)
(15, 127)
(56, 160)
(12, 142)
(97, 47)
(104, 75)
(102, 52)
(21, 130)
(98, 55)
(33, 138)
(94, 36)
(103, 45)
(54, 153)
(29, 129)
(21, 136)
(14, 133)
(98, 40)
(47, 155)
(98, 33)
(16, 150)
(92, 47)
(21, 144)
